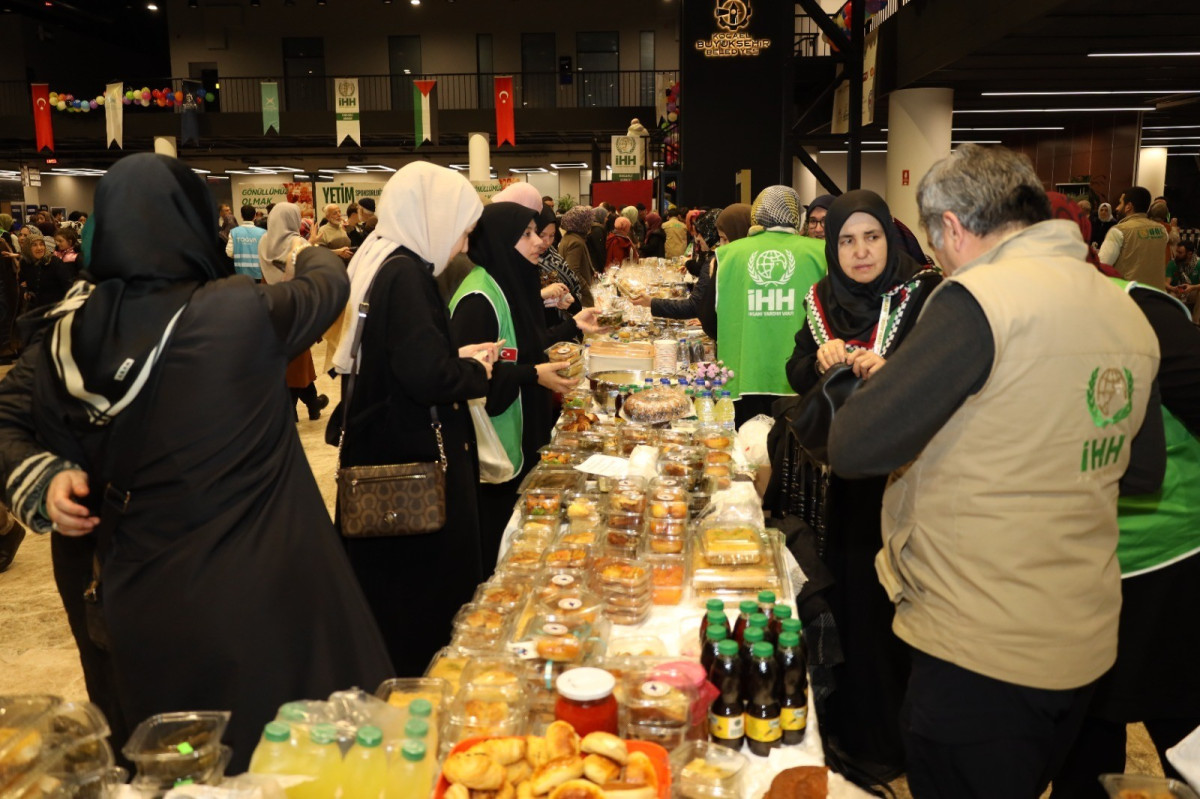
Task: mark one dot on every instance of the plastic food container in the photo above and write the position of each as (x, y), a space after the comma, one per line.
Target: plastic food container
(496, 677)
(524, 562)
(402, 691)
(574, 607)
(626, 499)
(704, 770)
(582, 505)
(578, 537)
(667, 573)
(559, 641)
(679, 437)
(622, 543)
(481, 627)
(542, 502)
(732, 584)
(557, 457)
(556, 585)
(658, 711)
(537, 531)
(667, 544)
(637, 646)
(507, 593)
(1137, 786)
(624, 520)
(171, 747)
(448, 664)
(567, 556)
(634, 434)
(477, 712)
(732, 545)
(714, 438)
(561, 479)
(621, 574)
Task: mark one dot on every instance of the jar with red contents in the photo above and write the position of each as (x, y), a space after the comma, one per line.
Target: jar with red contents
(585, 700)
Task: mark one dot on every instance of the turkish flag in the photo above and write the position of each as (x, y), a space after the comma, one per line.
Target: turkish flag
(504, 112)
(41, 116)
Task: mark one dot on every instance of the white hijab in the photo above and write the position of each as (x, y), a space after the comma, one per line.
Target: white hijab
(423, 207)
(275, 248)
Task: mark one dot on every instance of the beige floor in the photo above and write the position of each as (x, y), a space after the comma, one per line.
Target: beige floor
(37, 654)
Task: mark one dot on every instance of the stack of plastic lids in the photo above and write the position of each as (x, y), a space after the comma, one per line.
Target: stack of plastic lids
(53, 748)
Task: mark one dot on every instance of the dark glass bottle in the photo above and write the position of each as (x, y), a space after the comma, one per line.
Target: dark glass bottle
(766, 601)
(790, 626)
(745, 609)
(793, 688)
(709, 606)
(708, 655)
(775, 624)
(726, 722)
(761, 621)
(763, 711)
(754, 635)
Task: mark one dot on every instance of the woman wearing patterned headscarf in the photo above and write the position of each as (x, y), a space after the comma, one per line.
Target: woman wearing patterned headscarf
(555, 274)
(576, 254)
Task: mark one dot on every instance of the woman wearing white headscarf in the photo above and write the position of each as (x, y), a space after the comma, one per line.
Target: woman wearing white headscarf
(406, 368)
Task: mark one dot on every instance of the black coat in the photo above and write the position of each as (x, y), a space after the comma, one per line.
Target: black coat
(655, 245)
(415, 584)
(597, 238)
(45, 283)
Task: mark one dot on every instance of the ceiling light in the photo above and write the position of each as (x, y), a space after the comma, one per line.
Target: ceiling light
(149, 7)
(460, 167)
(1045, 110)
(1170, 138)
(975, 141)
(1189, 155)
(300, 177)
(570, 165)
(1144, 55)
(995, 129)
(1170, 127)
(320, 2)
(527, 170)
(1071, 94)
(218, 177)
(201, 171)
(415, 2)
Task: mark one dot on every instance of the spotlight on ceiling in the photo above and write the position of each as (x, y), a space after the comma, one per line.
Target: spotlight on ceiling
(151, 7)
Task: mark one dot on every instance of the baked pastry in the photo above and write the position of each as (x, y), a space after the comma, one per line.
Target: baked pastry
(535, 750)
(485, 714)
(657, 405)
(600, 769)
(800, 782)
(457, 792)
(577, 789)
(639, 770)
(505, 595)
(607, 745)
(624, 790)
(556, 772)
(525, 790)
(559, 648)
(475, 770)
(519, 772)
(504, 751)
(561, 741)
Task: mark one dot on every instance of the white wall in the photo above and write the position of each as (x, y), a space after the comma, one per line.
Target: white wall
(74, 194)
(874, 173)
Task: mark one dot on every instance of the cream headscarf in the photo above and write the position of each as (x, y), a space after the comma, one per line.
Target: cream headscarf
(423, 207)
(275, 249)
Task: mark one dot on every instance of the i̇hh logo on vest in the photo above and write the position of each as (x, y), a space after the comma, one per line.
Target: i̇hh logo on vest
(771, 268)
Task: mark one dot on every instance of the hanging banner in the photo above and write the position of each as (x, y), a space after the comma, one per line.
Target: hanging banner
(626, 158)
(344, 191)
(270, 105)
(188, 108)
(263, 190)
(114, 114)
(504, 112)
(41, 117)
(425, 109)
(841, 97)
(347, 110)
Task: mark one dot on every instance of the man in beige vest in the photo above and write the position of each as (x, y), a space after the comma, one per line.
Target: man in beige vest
(1137, 245)
(1009, 417)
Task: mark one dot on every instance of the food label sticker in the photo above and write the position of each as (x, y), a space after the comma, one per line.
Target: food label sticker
(726, 727)
(523, 650)
(571, 603)
(765, 730)
(562, 580)
(794, 718)
(655, 689)
(555, 629)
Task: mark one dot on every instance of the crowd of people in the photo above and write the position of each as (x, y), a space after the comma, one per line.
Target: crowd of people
(1012, 442)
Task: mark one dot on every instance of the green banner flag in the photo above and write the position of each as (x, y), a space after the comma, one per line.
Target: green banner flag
(270, 106)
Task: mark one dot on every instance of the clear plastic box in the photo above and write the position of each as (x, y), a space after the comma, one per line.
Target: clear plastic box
(657, 711)
(402, 691)
(506, 592)
(542, 502)
(448, 665)
(171, 747)
(734, 583)
(704, 770)
(1138, 786)
(567, 556)
(580, 536)
(668, 575)
(732, 544)
(561, 479)
(495, 677)
(481, 628)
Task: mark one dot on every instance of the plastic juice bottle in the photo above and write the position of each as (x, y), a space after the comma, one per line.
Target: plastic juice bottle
(320, 759)
(726, 721)
(684, 361)
(708, 655)
(704, 408)
(274, 753)
(711, 606)
(761, 621)
(766, 601)
(793, 688)
(423, 709)
(416, 729)
(364, 773)
(764, 731)
(411, 773)
(789, 626)
(723, 412)
(691, 398)
(745, 609)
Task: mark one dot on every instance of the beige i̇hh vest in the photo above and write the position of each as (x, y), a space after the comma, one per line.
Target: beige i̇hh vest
(1144, 252)
(1000, 538)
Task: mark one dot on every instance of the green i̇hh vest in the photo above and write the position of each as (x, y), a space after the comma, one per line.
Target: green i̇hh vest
(508, 423)
(761, 284)
(1160, 529)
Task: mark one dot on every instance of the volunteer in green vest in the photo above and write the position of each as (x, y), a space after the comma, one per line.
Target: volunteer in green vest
(1021, 404)
(1154, 679)
(761, 283)
(500, 299)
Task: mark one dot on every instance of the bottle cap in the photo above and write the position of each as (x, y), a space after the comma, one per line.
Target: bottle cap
(323, 734)
(585, 684)
(762, 650)
(715, 632)
(790, 625)
(789, 639)
(717, 617)
(369, 736)
(758, 620)
(748, 607)
(766, 597)
(714, 604)
(293, 712)
(413, 751)
(422, 708)
(728, 647)
(726, 393)
(416, 728)
(782, 612)
(278, 732)
(754, 635)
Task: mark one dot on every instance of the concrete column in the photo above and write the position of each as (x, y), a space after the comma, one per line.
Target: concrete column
(165, 145)
(919, 123)
(1152, 170)
(479, 156)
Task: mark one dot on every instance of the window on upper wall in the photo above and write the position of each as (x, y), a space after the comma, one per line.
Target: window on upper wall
(404, 65)
(539, 65)
(483, 68)
(598, 59)
(304, 74)
(646, 65)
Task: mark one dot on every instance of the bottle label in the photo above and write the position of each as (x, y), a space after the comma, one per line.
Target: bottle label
(765, 730)
(726, 728)
(794, 718)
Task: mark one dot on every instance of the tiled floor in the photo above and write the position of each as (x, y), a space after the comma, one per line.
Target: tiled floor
(37, 654)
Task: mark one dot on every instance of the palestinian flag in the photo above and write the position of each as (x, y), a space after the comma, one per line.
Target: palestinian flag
(425, 124)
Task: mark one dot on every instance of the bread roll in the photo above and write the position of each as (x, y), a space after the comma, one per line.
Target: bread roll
(555, 773)
(457, 792)
(606, 744)
(561, 741)
(519, 772)
(474, 770)
(525, 791)
(599, 769)
(577, 789)
(639, 770)
(504, 751)
(800, 782)
(535, 751)
(623, 790)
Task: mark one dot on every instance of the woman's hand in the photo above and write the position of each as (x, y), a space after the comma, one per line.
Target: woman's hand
(66, 515)
(565, 301)
(549, 377)
(643, 301)
(554, 291)
(345, 253)
(829, 353)
(865, 363)
(489, 349)
(585, 320)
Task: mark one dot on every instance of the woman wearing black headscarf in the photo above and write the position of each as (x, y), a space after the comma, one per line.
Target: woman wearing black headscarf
(505, 246)
(224, 584)
(859, 314)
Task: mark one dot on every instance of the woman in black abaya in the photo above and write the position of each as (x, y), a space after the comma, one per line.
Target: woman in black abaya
(224, 583)
(859, 314)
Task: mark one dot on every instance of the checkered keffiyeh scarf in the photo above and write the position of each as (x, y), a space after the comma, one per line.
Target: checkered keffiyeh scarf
(777, 207)
(706, 227)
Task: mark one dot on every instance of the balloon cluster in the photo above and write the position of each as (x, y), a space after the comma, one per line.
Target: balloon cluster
(670, 125)
(145, 97)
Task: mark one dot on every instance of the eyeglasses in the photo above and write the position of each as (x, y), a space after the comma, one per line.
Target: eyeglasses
(814, 222)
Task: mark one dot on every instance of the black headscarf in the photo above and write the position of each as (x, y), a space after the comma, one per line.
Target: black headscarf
(147, 247)
(493, 246)
(852, 308)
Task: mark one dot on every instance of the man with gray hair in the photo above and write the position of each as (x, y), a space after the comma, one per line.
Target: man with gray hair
(1010, 417)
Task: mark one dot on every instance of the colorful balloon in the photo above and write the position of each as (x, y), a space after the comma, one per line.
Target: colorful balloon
(179, 97)
(209, 96)
(61, 105)
(93, 104)
(145, 94)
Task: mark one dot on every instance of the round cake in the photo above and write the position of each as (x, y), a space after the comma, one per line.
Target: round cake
(656, 405)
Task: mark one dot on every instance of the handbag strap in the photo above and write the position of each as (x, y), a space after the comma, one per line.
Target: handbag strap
(364, 308)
